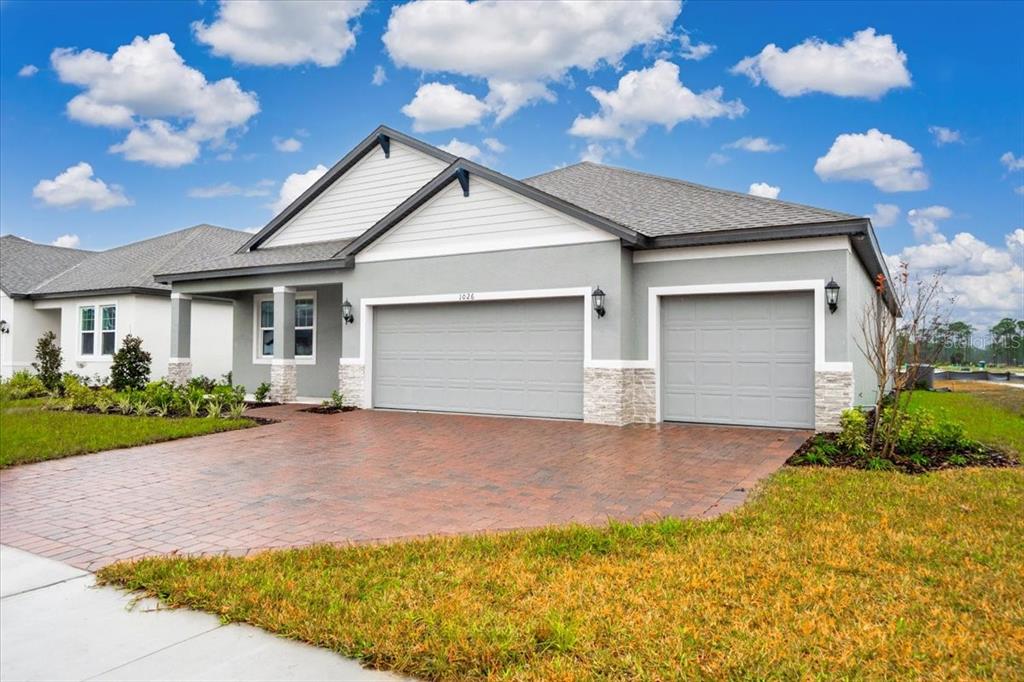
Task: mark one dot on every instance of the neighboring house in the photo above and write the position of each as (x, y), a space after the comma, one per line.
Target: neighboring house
(92, 300)
(408, 278)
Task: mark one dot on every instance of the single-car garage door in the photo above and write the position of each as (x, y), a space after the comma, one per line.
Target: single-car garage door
(739, 359)
(502, 357)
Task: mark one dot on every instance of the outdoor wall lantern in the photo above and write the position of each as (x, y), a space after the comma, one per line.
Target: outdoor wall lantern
(598, 302)
(346, 312)
(832, 295)
(4, 327)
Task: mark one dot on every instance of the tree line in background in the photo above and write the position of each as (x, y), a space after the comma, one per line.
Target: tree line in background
(959, 343)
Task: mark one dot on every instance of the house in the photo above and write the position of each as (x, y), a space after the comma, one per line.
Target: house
(91, 300)
(410, 279)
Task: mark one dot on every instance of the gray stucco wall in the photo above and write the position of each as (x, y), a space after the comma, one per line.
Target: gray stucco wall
(765, 268)
(314, 380)
(860, 290)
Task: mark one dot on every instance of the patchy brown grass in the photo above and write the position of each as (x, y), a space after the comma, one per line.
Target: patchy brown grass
(828, 573)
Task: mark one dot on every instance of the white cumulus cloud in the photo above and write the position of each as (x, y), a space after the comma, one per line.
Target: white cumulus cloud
(438, 106)
(77, 186)
(925, 222)
(763, 189)
(146, 86)
(67, 241)
(866, 65)
(944, 136)
(884, 215)
(230, 189)
(28, 70)
(693, 51)
(890, 164)
(380, 75)
(1012, 163)
(594, 153)
(652, 96)
(755, 144)
(274, 33)
(294, 185)
(494, 144)
(518, 49)
(463, 149)
(289, 144)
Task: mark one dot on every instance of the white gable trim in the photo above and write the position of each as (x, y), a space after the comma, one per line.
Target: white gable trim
(491, 218)
(360, 197)
(806, 245)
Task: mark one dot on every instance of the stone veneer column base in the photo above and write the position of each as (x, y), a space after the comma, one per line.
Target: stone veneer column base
(833, 393)
(618, 395)
(350, 383)
(283, 381)
(179, 371)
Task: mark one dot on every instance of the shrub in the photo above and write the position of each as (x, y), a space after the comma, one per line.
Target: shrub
(262, 392)
(195, 396)
(820, 453)
(22, 385)
(104, 399)
(336, 401)
(205, 384)
(77, 394)
(49, 358)
(130, 368)
(853, 435)
(125, 403)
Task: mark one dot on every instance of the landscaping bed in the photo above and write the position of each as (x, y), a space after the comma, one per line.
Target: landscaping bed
(329, 409)
(825, 573)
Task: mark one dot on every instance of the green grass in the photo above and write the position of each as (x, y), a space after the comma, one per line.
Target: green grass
(991, 413)
(827, 573)
(29, 433)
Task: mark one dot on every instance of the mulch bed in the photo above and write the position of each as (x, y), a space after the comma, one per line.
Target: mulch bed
(262, 421)
(323, 409)
(253, 405)
(983, 456)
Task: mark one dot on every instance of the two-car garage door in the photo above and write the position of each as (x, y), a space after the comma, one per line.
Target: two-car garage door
(521, 357)
(738, 359)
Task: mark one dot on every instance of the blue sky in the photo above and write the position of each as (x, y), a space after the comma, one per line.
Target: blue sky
(955, 66)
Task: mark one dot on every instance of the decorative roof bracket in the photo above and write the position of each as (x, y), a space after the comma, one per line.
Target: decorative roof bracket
(463, 175)
(385, 144)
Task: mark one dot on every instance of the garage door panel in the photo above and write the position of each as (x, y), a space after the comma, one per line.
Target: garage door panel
(739, 359)
(507, 357)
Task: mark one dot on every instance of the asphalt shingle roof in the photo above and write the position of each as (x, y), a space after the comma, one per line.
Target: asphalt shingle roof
(293, 254)
(658, 206)
(25, 265)
(133, 265)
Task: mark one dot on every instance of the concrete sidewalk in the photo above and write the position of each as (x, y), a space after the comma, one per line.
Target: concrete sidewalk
(55, 624)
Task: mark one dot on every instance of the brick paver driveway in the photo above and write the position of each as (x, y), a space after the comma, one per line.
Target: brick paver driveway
(371, 475)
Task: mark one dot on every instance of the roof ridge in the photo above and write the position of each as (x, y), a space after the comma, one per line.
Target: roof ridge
(45, 246)
(707, 188)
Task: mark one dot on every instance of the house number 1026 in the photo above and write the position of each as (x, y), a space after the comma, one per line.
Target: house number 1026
(465, 297)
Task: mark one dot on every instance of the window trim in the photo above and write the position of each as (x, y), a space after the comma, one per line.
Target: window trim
(97, 331)
(257, 357)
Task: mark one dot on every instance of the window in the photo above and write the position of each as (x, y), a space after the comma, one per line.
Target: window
(105, 316)
(88, 316)
(305, 327)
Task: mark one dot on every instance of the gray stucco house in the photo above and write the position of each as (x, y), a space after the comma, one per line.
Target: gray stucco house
(408, 278)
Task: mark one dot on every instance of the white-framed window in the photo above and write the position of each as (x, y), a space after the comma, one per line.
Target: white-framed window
(97, 330)
(305, 327)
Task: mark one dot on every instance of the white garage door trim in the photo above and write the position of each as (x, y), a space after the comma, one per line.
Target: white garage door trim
(367, 306)
(654, 295)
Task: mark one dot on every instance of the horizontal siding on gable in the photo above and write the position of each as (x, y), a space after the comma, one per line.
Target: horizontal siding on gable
(360, 197)
(491, 218)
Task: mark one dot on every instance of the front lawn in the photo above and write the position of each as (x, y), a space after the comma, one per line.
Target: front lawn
(827, 573)
(29, 433)
(992, 413)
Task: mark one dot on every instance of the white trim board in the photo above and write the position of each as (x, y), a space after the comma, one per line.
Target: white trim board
(808, 245)
(654, 295)
(258, 359)
(367, 305)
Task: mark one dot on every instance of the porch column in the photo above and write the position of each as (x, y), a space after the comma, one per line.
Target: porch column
(283, 381)
(179, 366)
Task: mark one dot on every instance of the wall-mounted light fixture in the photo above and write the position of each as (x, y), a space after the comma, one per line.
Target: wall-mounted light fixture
(598, 297)
(346, 312)
(4, 327)
(832, 295)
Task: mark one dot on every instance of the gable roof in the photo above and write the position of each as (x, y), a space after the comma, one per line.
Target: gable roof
(657, 206)
(464, 170)
(131, 267)
(381, 136)
(25, 265)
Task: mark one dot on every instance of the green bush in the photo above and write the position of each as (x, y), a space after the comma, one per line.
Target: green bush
(130, 368)
(853, 434)
(203, 383)
(821, 452)
(262, 392)
(23, 385)
(76, 394)
(336, 401)
(104, 398)
(49, 358)
(160, 395)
